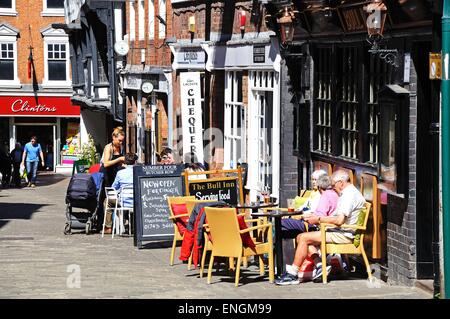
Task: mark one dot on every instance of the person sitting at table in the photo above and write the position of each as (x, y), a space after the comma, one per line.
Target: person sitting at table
(313, 200)
(328, 199)
(350, 202)
(193, 165)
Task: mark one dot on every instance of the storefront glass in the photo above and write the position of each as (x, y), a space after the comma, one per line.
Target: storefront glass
(70, 146)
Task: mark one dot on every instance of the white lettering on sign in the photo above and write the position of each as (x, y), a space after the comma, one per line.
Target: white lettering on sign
(191, 114)
(21, 106)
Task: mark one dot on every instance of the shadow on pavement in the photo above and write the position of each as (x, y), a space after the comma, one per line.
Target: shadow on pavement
(17, 211)
(46, 179)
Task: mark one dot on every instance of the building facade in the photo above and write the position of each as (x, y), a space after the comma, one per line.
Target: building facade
(93, 28)
(35, 81)
(147, 77)
(239, 64)
(375, 115)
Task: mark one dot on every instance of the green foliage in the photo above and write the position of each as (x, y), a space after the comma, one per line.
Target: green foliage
(89, 152)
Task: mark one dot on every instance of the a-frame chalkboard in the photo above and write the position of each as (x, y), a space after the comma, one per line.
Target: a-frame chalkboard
(152, 185)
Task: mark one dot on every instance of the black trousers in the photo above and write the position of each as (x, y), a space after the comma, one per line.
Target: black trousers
(16, 174)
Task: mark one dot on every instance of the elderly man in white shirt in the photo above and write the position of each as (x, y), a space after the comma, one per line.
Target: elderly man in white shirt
(350, 202)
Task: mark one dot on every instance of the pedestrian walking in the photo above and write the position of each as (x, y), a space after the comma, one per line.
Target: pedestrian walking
(16, 158)
(31, 154)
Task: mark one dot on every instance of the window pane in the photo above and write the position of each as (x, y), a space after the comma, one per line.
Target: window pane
(50, 55)
(57, 70)
(5, 4)
(4, 46)
(50, 47)
(56, 56)
(55, 4)
(6, 70)
(10, 47)
(239, 86)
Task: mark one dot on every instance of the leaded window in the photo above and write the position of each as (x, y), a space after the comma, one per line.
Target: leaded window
(324, 100)
(349, 101)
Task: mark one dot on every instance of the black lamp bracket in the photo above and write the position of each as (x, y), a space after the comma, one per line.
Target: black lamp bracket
(390, 56)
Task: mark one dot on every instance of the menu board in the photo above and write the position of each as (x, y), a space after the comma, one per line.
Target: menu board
(223, 189)
(152, 185)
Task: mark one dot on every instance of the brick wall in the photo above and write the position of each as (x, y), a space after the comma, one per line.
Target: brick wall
(29, 22)
(402, 266)
(288, 162)
(156, 53)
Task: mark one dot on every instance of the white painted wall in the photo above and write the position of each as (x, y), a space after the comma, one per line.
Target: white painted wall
(93, 123)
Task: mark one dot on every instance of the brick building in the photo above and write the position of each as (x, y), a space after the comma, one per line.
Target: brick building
(35, 81)
(239, 65)
(373, 114)
(148, 30)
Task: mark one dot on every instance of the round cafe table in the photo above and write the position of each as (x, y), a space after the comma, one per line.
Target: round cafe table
(277, 214)
(255, 207)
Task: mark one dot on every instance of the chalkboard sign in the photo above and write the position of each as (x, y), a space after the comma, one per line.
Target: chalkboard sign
(152, 185)
(223, 189)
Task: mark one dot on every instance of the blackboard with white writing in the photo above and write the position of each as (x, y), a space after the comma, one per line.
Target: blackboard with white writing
(225, 190)
(152, 185)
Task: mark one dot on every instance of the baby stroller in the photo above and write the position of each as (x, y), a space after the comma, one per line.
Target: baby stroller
(84, 193)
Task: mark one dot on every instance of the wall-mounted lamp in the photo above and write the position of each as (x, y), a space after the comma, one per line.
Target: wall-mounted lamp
(377, 13)
(192, 24)
(284, 21)
(286, 25)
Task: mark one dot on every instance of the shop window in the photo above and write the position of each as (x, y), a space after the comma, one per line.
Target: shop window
(235, 118)
(162, 19)
(349, 101)
(346, 113)
(324, 100)
(7, 61)
(393, 155)
(151, 19)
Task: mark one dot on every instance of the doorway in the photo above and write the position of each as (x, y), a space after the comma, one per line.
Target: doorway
(45, 137)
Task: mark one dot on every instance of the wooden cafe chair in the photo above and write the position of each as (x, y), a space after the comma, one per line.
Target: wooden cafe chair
(177, 236)
(227, 241)
(190, 204)
(355, 248)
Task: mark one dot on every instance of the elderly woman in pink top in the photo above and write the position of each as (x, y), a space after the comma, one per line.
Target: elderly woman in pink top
(327, 205)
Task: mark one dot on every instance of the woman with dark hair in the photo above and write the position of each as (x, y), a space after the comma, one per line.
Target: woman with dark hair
(113, 156)
(192, 165)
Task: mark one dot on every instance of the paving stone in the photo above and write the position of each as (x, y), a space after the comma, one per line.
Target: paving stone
(35, 258)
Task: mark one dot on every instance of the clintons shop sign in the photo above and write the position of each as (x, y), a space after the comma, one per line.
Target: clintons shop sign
(37, 106)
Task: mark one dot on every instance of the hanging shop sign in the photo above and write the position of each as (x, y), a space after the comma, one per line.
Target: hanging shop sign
(133, 82)
(37, 106)
(191, 114)
(188, 58)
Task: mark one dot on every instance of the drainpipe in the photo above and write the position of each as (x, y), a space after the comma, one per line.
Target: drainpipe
(445, 140)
